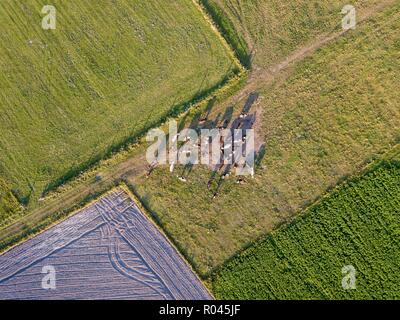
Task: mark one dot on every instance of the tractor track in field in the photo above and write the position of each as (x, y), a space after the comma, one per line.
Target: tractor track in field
(111, 240)
(136, 165)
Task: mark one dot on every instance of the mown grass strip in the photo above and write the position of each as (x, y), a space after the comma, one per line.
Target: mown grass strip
(228, 31)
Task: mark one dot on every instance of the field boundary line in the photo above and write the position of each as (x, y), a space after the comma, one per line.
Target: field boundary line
(219, 32)
(386, 156)
(261, 77)
(63, 218)
(158, 225)
(122, 188)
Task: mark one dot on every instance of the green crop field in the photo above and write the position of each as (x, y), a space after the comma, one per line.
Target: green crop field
(322, 121)
(107, 73)
(357, 225)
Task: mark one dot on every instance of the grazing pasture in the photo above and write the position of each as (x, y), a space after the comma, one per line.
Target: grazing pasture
(322, 121)
(110, 70)
(267, 31)
(108, 250)
(357, 225)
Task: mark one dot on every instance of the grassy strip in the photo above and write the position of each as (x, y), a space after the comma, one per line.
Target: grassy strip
(228, 31)
(275, 28)
(9, 205)
(136, 146)
(130, 190)
(358, 224)
(113, 149)
(27, 231)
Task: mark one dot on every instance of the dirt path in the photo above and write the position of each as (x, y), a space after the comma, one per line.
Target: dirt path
(260, 78)
(136, 165)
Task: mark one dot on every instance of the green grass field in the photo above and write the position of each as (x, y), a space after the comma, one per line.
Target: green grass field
(267, 31)
(358, 225)
(10, 208)
(321, 123)
(108, 72)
